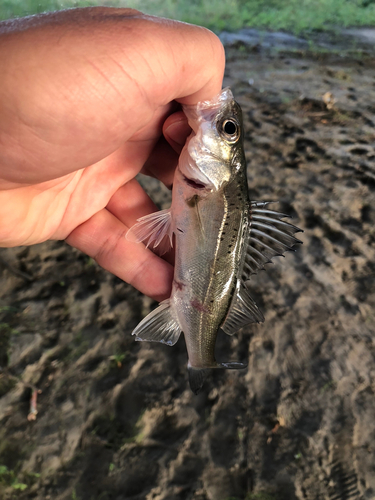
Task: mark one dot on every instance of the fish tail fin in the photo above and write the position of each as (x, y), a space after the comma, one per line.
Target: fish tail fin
(197, 376)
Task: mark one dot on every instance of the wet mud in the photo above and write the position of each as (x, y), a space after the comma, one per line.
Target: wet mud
(116, 419)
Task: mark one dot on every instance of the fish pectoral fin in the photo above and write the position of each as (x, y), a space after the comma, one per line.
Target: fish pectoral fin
(155, 230)
(269, 236)
(159, 326)
(242, 311)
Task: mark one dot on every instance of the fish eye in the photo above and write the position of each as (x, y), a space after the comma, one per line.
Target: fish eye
(230, 130)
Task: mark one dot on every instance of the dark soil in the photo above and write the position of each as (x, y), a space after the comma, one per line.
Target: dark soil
(116, 418)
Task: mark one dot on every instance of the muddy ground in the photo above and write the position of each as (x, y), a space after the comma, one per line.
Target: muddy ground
(116, 418)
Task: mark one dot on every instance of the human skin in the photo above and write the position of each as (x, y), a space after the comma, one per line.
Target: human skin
(88, 99)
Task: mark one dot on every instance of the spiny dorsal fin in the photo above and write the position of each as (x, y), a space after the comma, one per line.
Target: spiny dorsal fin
(155, 229)
(269, 236)
(242, 311)
(159, 326)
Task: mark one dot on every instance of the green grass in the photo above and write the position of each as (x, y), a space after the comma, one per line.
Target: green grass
(290, 15)
(8, 478)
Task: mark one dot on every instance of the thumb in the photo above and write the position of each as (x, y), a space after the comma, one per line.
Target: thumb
(176, 130)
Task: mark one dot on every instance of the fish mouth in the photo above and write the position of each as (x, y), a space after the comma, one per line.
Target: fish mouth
(194, 183)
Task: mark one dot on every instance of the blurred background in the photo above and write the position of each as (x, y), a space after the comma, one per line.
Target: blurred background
(86, 413)
(291, 15)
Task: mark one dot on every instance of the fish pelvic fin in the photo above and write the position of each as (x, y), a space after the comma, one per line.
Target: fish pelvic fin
(159, 326)
(155, 230)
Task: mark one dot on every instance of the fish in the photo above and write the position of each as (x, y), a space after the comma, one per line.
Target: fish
(220, 237)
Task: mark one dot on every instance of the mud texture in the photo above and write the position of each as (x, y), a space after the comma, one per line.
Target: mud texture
(116, 419)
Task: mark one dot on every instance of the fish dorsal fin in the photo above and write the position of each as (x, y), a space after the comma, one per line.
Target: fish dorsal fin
(155, 230)
(242, 311)
(269, 236)
(159, 326)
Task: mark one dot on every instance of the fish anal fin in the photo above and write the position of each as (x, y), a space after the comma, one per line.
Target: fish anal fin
(155, 230)
(159, 326)
(242, 311)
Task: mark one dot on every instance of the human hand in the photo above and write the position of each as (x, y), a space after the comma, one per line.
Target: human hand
(85, 96)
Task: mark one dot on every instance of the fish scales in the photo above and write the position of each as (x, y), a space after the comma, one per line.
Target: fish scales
(207, 261)
(221, 239)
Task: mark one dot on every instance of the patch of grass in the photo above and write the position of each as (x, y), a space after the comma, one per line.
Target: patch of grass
(118, 359)
(12, 455)
(4, 309)
(9, 478)
(295, 16)
(6, 329)
(18, 8)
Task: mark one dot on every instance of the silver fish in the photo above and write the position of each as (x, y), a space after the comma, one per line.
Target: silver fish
(221, 238)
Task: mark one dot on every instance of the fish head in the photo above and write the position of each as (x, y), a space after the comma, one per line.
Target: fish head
(214, 151)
